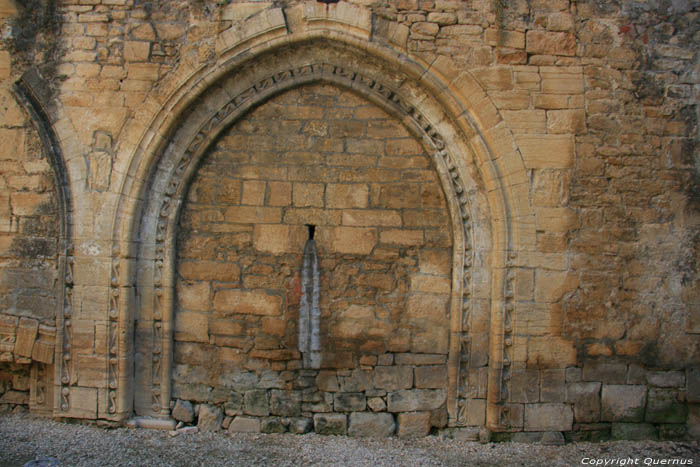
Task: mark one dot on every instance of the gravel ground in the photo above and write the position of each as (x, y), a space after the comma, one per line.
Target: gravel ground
(24, 438)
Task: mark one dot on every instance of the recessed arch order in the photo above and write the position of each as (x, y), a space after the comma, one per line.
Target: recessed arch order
(164, 157)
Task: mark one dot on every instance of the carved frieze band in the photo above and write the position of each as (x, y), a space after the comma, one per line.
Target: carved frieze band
(356, 81)
(509, 307)
(113, 333)
(66, 363)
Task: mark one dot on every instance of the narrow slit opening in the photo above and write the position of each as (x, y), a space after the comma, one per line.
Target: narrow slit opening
(312, 230)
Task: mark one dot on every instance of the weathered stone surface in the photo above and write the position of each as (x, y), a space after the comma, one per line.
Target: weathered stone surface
(272, 425)
(183, 411)
(375, 425)
(623, 403)
(664, 406)
(666, 379)
(609, 373)
(27, 331)
(255, 402)
(430, 377)
(244, 425)
(693, 384)
(301, 426)
(330, 424)
(413, 400)
(633, 431)
(209, 418)
(413, 424)
(586, 400)
(548, 417)
(376, 404)
(393, 377)
(285, 403)
(349, 402)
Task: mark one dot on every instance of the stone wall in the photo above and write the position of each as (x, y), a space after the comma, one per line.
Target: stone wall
(317, 156)
(575, 120)
(29, 233)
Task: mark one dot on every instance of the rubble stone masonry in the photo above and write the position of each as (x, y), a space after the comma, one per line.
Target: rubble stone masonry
(505, 198)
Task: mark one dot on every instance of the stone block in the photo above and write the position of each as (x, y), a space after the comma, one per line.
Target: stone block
(368, 218)
(693, 384)
(183, 411)
(43, 350)
(209, 271)
(393, 378)
(277, 239)
(135, 51)
(285, 403)
(663, 406)
(280, 194)
(327, 381)
(495, 78)
(548, 417)
(191, 327)
(623, 403)
(244, 425)
(255, 402)
(569, 121)
(414, 359)
(376, 404)
(401, 237)
(586, 400)
(246, 302)
(430, 284)
(476, 412)
(415, 400)
(344, 196)
(272, 425)
(546, 152)
(210, 418)
(305, 195)
(675, 432)
(15, 398)
(330, 424)
(347, 240)
(439, 417)
(607, 373)
(550, 43)
(525, 386)
(502, 38)
(633, 431)
(430, 377)
(349, 402)
(300, 426)
(550, 352)
(666, 379)
(83, 403)
(372, 425)
(27, 331)
(553, 386)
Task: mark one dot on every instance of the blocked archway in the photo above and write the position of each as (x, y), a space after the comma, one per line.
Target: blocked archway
(481, 283)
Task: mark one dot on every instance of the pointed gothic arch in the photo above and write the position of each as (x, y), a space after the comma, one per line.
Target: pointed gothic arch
(165, 156)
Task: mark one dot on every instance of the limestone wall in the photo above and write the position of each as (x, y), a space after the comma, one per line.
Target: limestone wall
(568, 132)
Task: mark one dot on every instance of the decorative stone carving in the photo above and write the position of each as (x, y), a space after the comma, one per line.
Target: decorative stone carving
(98, 161)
